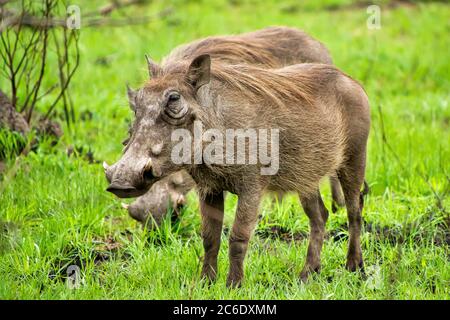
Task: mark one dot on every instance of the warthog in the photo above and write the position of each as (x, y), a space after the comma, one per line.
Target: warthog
(166, 195)
(271, 47)
(322, 117)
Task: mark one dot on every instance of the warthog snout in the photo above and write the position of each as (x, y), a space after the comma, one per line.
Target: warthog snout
(123, 190)
(129, 179)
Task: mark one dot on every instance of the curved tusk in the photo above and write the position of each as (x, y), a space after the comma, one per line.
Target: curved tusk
(125, 206)
(105, 165)
(148, 165)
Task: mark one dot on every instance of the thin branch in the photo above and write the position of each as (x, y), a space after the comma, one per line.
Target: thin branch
(65, 84)
(42, 70)
(47, 23)
(114, 5)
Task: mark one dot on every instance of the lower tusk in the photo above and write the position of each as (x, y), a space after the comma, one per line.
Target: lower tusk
(125, 206)
(105, 165)
(181, 200)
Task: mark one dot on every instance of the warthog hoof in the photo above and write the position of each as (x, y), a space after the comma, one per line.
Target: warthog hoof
(355, 263)
(209, 273)
(234, 282)
(307, 271)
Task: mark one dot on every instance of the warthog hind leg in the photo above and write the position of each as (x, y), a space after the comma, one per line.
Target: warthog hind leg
(318, 215)
(352, 178)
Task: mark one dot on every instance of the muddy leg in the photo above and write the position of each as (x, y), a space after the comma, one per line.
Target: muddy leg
(212, 219)
(352, 178)
(338, 199)
(318, 215)
(244, 223)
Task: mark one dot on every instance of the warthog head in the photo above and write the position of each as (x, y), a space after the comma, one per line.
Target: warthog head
(164, 198)
(167, 102)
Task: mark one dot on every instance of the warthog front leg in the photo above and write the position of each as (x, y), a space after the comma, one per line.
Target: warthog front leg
(243, 226)
(212, 219)
(318, 215)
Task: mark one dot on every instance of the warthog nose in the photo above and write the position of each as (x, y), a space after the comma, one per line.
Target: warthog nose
(122, 191)
(147, 172)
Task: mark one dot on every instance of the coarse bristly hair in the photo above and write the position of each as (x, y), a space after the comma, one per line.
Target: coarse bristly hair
(254, 82)
(271, 47)
(291, 98)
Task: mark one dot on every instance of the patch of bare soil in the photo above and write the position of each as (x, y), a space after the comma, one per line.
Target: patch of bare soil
(440, 236)
(104, 250)
(49, 128)
(282, 233)
(10, 118)
(15, 122)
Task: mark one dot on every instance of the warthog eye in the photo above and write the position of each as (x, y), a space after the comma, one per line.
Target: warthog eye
(175, 109)
(174, 96)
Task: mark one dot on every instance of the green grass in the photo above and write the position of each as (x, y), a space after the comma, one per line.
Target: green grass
(54, 211)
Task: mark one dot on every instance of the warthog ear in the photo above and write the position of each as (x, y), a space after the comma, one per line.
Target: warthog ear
(131, 97)
(199, 71)
(153, 68)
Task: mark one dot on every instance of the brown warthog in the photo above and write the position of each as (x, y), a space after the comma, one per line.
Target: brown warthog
(166, 195)
(272, 47)
(321, 118)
